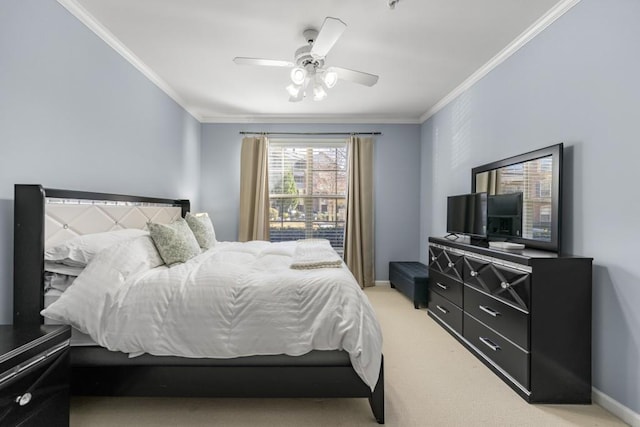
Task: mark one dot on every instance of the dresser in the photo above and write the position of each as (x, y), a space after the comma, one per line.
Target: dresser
(526, 315)
(34, 375)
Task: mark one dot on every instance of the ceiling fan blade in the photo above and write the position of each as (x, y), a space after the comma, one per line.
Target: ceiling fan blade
(356, 76)
(331, 30)
(264, 62)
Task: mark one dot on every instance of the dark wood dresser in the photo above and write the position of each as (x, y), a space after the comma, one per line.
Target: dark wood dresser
(34, 375)
(526, 315)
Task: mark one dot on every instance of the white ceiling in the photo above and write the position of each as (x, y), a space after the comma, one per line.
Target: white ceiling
(422, 50)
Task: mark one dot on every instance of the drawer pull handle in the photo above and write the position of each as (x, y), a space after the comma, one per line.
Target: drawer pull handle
(473, 273)
(442, 309)
(450, 264)
(24, 399)
(489, 344)
(440, 285)
(489, 311)
(505, 285)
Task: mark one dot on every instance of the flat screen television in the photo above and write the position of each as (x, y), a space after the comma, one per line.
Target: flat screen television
(504, 215)
(467, 215)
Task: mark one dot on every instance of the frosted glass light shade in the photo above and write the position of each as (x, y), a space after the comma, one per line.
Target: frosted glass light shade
(298, 74)
(319, 93)
(294, 90)
(330, 78)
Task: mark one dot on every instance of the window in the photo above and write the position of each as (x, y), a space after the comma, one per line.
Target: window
(543, 189)
(308, 190)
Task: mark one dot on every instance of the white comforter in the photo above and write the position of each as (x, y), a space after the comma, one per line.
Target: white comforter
(236, 299)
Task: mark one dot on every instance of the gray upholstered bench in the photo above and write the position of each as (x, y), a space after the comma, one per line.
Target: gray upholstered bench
(410, 278)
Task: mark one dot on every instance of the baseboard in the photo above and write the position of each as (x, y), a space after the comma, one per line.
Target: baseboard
(616, 408)
(382, 283)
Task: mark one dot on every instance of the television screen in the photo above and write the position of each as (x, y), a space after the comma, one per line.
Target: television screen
(467, 214)
(504, 215)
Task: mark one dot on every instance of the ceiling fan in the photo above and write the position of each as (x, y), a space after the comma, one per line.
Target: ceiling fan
(308, 73)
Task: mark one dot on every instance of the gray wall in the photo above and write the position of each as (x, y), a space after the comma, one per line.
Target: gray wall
(396, 174)
(577, 83)
(74, 114)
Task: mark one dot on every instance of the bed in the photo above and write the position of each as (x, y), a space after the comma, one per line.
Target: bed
(44, 215)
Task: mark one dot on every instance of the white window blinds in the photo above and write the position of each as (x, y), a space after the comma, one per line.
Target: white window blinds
(307, 190)
(535, 184)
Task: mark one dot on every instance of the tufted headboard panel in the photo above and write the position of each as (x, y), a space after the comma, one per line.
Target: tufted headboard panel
(67, 218)
(45, 217)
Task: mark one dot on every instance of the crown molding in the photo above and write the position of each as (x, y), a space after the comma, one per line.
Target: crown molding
(92, 23)
(319, 119)
(536, 28)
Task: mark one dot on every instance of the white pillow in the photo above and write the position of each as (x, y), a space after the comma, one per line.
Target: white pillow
(78, 251)
(93, 292)
(54, 267)
(57, 281)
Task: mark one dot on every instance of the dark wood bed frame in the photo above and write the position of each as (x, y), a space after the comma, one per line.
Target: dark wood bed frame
(98, 371)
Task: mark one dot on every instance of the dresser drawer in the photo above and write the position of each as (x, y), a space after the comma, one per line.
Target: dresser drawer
(446, 286)
(446, 311)
(504, 319)
(506, 355)
(508, 284)
(446, 262)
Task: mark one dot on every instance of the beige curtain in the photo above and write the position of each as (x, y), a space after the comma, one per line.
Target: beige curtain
(487, 182)
(358, 239)
(254, 189)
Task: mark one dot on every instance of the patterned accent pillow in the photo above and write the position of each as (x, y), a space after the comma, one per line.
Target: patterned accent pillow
(202, 228)
(175, 242)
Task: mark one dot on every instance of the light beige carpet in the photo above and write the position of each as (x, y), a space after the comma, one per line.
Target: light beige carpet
(430, 380)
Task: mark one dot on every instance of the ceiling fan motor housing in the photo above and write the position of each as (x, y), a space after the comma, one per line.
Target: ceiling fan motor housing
(304, 58)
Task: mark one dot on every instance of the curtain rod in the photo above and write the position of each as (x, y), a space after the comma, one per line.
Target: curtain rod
(310, 133)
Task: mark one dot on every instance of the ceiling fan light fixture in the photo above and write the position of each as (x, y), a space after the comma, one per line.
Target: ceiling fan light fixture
(294, 90)
(319, 93)
(298, 74)
(308, 75)
(330, 78)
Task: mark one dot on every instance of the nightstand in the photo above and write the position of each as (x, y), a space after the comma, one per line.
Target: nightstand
(34, 375)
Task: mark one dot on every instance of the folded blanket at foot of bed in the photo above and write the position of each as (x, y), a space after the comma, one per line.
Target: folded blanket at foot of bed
(314, 253)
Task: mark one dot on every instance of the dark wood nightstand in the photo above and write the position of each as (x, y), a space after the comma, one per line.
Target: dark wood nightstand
(34, 375)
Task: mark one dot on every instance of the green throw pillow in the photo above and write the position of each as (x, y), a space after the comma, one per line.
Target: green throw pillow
(202, 228)
(175, 242)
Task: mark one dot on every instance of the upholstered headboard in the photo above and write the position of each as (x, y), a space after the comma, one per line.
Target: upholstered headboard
(67, 218)
(44, 217)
